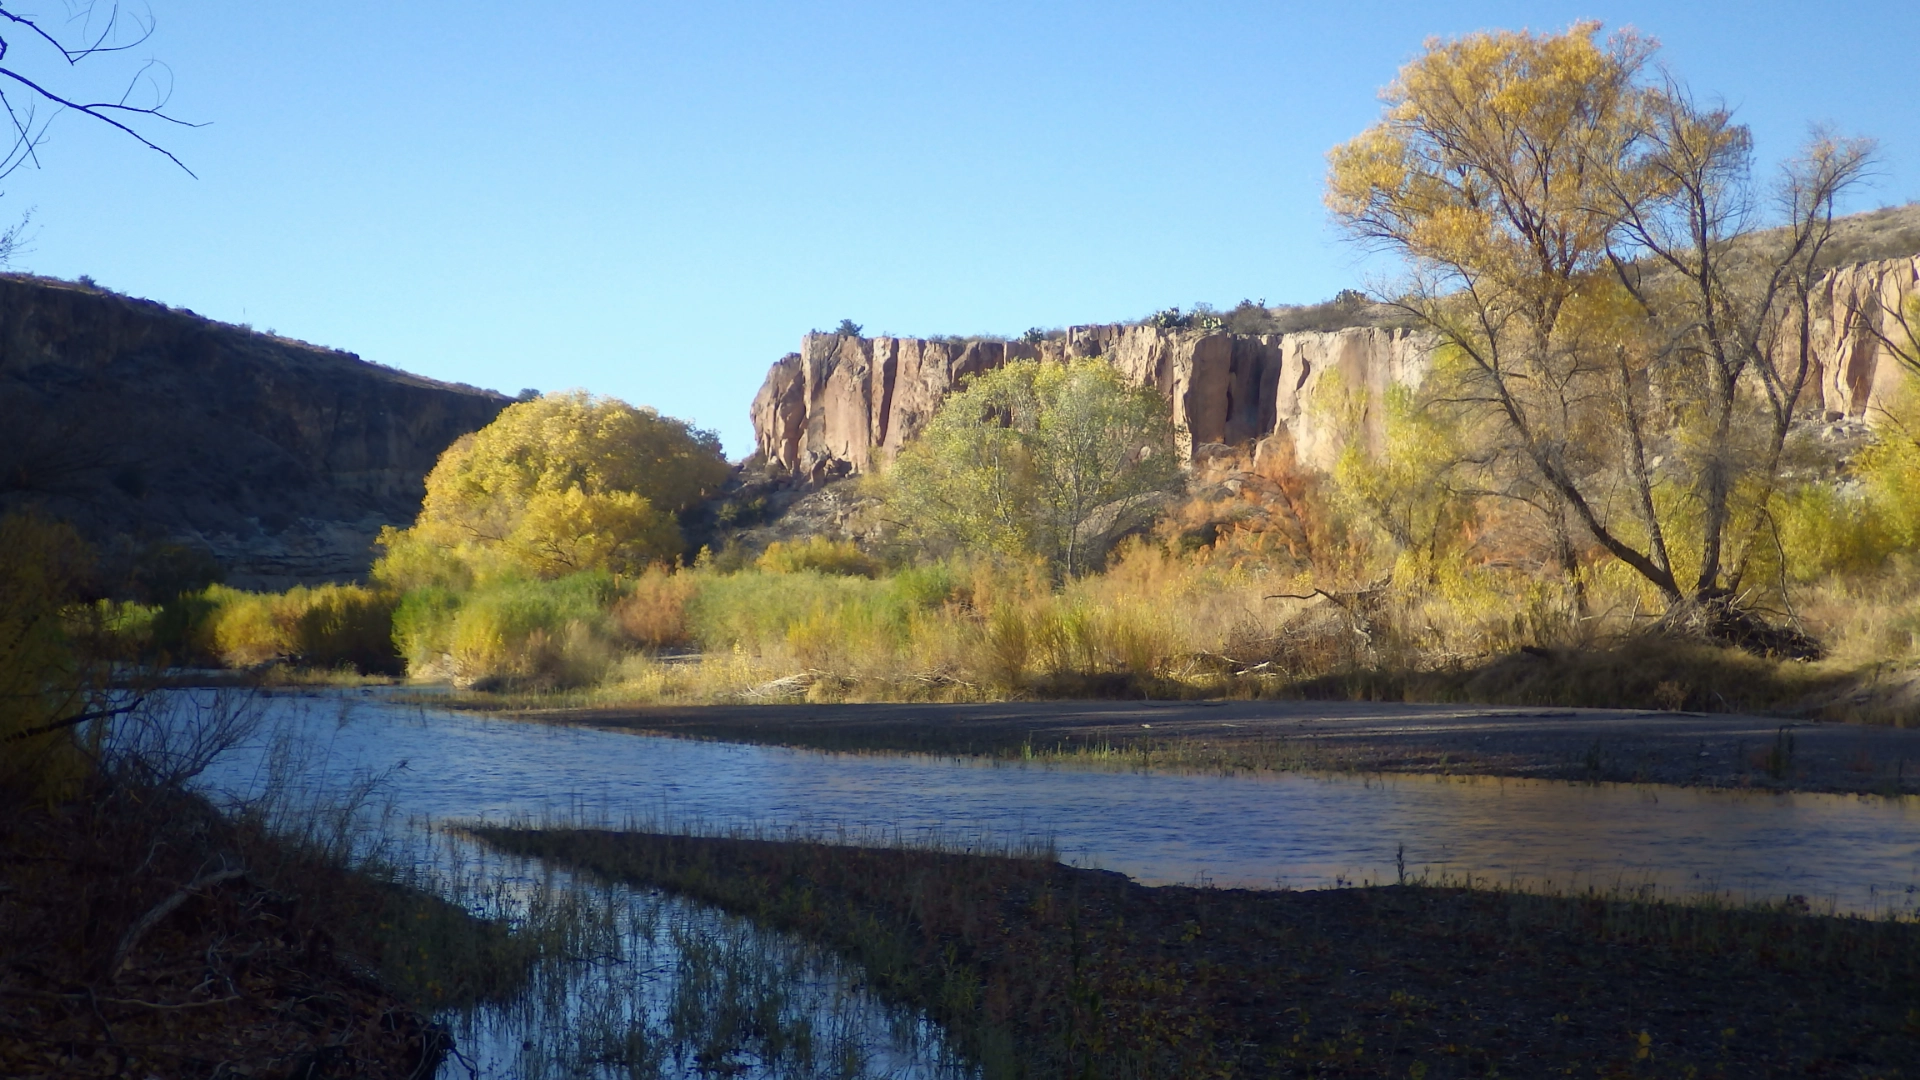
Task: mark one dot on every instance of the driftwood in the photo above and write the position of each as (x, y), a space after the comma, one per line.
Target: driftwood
(1725, 619)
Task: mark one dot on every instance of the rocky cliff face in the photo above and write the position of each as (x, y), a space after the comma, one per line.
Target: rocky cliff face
(148, 426)
(846, 404)
(1855, 316)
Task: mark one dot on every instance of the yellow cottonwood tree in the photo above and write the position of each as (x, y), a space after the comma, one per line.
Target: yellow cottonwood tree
(1578, 238)
(563, 483)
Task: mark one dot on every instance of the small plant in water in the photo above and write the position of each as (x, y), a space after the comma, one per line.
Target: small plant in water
(1780, 757)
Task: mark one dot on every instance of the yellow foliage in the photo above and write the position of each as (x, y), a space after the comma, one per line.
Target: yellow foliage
(323, 626)
(562, 532)
(553, 486)
(46, 681)
(1478, 126)
(1854, 526)
(817, 553)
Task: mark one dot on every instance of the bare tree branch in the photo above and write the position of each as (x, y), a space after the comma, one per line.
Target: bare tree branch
(121, 115)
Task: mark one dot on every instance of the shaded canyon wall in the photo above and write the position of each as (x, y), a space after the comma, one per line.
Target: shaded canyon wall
(146, 425)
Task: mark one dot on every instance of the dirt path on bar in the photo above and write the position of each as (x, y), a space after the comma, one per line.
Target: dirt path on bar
(1693, 749)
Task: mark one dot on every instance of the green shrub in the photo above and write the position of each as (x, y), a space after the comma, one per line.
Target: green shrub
(323, 627)
(423, 626)
(817, 553)
(753, 610)
(514, 632)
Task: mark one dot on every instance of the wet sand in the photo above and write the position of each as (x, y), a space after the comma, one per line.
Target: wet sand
(1693, 749)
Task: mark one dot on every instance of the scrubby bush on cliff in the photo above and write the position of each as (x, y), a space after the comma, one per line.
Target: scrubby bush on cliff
(555, 486)
(1036, 460)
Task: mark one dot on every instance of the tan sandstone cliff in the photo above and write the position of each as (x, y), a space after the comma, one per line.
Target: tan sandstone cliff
(1854, 319)
(846, 404)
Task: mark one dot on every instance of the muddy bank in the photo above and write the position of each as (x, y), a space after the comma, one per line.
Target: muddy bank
(1691, 749)
(1044, 970)
(144, 934)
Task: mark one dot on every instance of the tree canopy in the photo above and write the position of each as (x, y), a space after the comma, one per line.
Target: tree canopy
(562, 483)
(1036, 459)
(1584, 241)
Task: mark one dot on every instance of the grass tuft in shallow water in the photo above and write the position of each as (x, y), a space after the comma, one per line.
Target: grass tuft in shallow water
(1045, 970)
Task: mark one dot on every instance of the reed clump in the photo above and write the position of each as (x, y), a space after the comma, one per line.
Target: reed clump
(1043, 970)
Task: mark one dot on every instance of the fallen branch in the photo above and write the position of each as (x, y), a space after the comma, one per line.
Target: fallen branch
(49, 995)
(72, 721)
(160, 911)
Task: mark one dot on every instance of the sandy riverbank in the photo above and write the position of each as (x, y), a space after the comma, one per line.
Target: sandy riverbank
(1693, 749)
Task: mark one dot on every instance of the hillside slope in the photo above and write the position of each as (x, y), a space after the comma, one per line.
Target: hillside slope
(150, 427)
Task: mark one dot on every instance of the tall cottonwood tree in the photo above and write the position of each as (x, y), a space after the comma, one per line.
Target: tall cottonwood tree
(563, 483)
(1583, 240)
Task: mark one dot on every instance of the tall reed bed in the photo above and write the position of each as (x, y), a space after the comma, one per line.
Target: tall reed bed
(819, 621)
(949, 632)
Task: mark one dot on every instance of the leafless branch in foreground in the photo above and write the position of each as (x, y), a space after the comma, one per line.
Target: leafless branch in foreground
(38, 61)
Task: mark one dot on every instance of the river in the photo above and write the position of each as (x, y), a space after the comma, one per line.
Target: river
(1846, 854)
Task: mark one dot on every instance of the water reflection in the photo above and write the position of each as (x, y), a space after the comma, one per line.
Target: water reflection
(652, 986)
(631, 982)
(1859, 854)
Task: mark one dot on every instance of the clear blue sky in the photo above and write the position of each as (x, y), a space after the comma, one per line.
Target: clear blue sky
(655, 201)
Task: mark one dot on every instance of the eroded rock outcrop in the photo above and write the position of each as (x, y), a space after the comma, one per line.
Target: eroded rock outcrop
(146, 425)
(845, 404)
(1856, 324)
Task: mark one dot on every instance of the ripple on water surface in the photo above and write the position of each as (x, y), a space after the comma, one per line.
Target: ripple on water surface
(1860, 854)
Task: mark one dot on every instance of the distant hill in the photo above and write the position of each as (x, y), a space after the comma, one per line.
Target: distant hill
(1892, 232)
(170, 439)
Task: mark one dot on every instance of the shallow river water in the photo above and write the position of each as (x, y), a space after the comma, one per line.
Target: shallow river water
(1844, 853)
(1859, 853)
